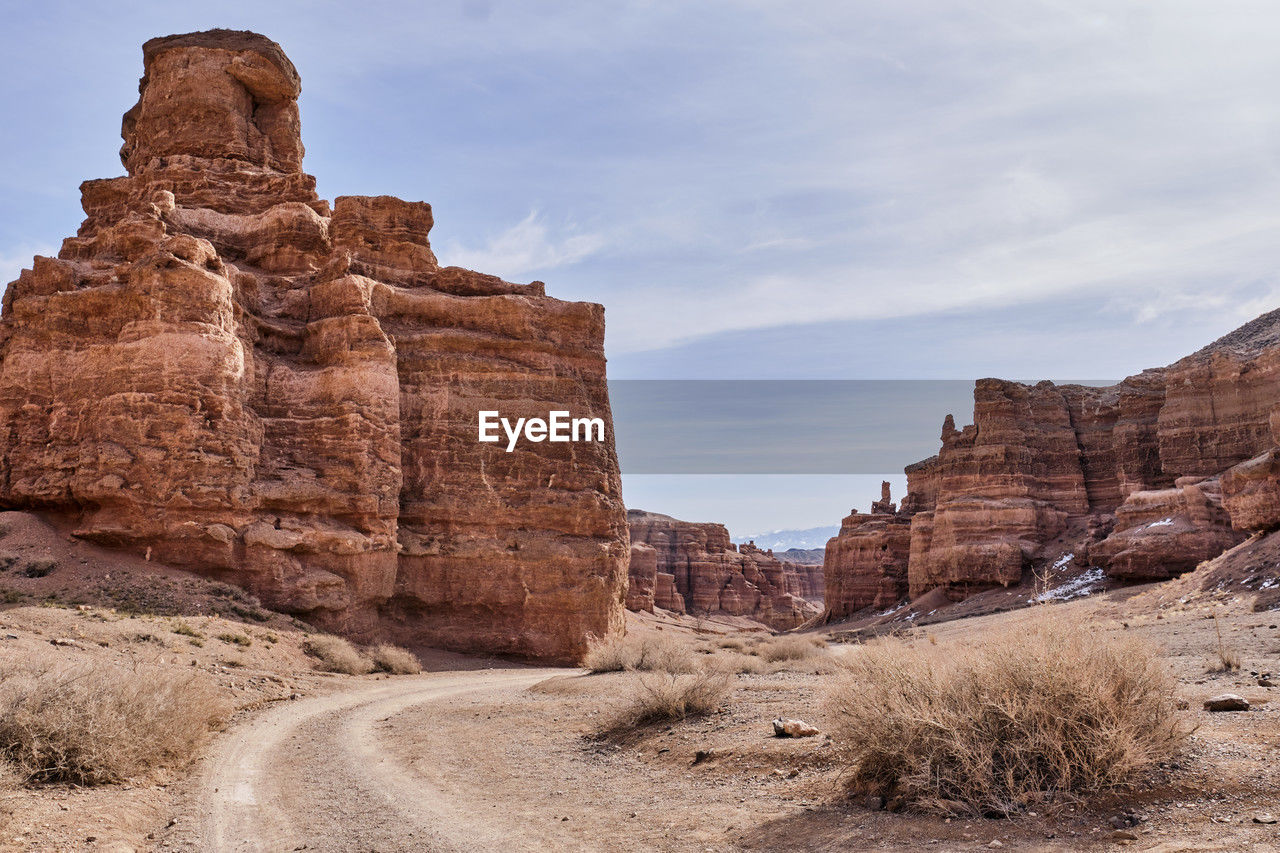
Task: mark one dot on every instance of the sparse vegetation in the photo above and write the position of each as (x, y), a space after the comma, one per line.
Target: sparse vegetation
(236, 639)
(1226, 658)
(992, 727)
(251, 613)
(788, 647)
(336, 655)
(739, 664)
(39, 568)
(395, 660)
(104, 723)
(661, 697)
(185, 630)
(652, 654)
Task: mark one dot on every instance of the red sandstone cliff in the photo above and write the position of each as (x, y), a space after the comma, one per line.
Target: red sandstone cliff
(709, 574)
(223, 371)
(1146, 478)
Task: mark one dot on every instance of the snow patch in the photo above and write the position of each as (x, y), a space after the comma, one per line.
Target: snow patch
(1062, 561)
(1075, 588)
(1164, 522)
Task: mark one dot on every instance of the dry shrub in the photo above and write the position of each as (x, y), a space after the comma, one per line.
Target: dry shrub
(739, 664)
(788, 647)
(104, 723)
(652, 654)
(1226, 657)
(336, 655)
(661, 697)
(1017, 717)
(395, 660)
(733, 643)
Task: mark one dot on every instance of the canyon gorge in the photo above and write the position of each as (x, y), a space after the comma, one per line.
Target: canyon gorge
(694, 568)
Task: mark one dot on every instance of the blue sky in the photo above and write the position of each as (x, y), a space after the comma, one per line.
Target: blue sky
(753, 189)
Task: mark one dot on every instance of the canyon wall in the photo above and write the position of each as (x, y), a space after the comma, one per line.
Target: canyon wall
(222, 371)
(1145, 478)
(709, 574)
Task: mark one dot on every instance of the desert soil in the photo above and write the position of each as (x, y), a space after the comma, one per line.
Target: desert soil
(484, 755)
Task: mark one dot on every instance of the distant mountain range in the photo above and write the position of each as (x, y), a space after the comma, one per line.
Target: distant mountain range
(782, 540)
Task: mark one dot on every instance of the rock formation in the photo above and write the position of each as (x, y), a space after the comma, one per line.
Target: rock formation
(1146, 478)
(712, 575)
(866, 562)
(224, 373)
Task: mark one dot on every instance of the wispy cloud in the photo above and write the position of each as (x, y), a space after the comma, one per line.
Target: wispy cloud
(526, 249)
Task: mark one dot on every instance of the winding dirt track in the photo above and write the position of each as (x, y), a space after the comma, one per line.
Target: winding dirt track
(313, 775)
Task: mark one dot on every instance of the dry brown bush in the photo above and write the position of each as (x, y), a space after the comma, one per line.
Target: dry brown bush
(395, 660)
(788, 647)
(104, 723)
(336, 655)
(1017, 717)
(734, 643)
(652, 654)
(739, 664)
(661, 697)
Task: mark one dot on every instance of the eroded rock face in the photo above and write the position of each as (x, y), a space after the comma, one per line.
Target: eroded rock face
(222, 371)
(1165, 532)
(642, 577)
(712, 575)
(1150, 476)
(866, 562)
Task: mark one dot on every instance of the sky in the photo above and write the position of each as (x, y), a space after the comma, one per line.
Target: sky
(757, 190)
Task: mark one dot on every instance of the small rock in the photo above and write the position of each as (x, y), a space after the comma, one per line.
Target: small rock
(875, 803)
(995, 842)
(63, 641)
(1265, 817)
(1124, 835)
(1227, 702)
(702, 755)
(1266, 682)
(783, 727)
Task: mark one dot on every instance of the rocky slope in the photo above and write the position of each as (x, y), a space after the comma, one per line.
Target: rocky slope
(1145, 478)
(695, 568)
(224, 372)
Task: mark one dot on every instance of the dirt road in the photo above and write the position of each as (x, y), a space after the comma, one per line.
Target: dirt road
(313, 775)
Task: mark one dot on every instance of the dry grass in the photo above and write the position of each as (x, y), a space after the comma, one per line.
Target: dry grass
(1226, 658)
(1019, 717)
(92, 725)
(737, 663)
(788, 647)
(661, 697)
(336, 655)
(395, 660)
(651, 654)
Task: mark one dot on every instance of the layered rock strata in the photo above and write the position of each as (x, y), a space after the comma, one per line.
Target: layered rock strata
(1146, 478)
(225, 373)
(712, 575)
(866, 562)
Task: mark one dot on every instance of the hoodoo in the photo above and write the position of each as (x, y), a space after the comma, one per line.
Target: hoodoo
(1146, 479)
(226, 373)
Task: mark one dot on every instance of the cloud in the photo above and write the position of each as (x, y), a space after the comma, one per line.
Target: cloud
(524, 250)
